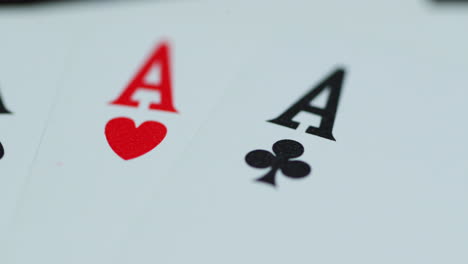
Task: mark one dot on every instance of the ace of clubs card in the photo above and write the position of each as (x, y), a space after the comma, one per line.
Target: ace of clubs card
(334, 147)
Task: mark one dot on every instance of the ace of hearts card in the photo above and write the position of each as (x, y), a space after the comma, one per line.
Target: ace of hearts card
(137, 90)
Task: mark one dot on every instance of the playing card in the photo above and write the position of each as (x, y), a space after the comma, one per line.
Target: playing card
(339, 144)
(32, 63)
(139, 86)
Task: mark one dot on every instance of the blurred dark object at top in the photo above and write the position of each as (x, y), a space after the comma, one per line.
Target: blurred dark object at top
(27, 2)
(451, 1)
(18, 1)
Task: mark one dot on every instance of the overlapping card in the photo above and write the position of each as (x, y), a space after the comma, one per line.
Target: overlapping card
(32, 63)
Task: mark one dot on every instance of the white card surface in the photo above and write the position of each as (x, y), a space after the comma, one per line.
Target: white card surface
(82, 196)
(391, 189)
(31, 67)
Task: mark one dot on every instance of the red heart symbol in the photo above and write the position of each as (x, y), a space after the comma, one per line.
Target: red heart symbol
(129, 141)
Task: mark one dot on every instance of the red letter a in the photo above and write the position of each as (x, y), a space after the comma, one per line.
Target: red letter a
(159, 57)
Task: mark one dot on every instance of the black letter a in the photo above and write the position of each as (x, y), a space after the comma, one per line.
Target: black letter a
(3, 109)
(334, 83)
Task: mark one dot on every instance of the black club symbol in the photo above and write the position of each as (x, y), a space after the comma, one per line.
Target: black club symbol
(2, 152)
(284, 150)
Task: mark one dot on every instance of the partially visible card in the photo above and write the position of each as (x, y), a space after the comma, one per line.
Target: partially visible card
(139, 87)
(339, 144)
(31, 66)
